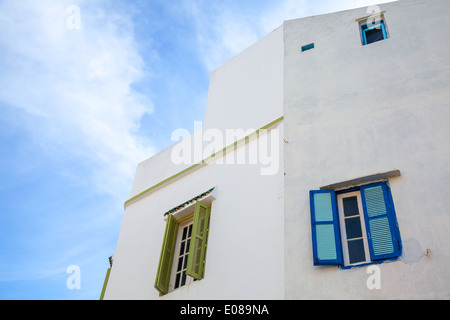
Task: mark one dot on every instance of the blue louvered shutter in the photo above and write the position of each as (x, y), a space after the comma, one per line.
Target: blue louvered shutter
(326, 238)
(381, 223)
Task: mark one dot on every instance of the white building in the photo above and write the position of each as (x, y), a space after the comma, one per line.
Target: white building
(337, 185)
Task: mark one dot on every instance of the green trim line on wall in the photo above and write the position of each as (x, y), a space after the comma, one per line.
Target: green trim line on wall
(201, 163)
(105, 283)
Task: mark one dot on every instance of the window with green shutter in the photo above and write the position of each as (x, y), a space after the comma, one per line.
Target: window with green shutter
(183, 254)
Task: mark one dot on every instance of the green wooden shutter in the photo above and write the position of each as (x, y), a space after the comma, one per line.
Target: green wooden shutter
(166, 259)
(199, 240)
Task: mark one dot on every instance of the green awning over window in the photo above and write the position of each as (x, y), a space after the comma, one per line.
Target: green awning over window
(200, 196)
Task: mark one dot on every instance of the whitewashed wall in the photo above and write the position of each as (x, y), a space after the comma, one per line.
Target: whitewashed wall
(247, 91)
(353, 111)
(245, 258)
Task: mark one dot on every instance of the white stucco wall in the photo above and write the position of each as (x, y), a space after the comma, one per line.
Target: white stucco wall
(247, 91)
(245, 258)
(353, 111)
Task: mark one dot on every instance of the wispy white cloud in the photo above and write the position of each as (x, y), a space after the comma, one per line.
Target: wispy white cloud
(224, 30)
(78, 84)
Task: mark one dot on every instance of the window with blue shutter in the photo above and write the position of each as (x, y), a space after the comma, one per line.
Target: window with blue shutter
(325, 228)
(354, 227)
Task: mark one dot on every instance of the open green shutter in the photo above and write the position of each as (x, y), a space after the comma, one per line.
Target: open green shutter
(199, 241)
(166, 259)
(326, 238)
(381, 222)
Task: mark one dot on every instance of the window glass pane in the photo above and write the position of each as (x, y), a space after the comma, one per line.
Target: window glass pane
(353, 227)
(182, 248)
(185, 262)
(374, 35)
(356, 251)
(177, 280)
(183, 278)
(180, 264)
(184, 233)
(190, 231)
(350, 206)
(188, 245)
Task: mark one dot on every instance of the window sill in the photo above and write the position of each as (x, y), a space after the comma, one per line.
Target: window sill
(369, 263)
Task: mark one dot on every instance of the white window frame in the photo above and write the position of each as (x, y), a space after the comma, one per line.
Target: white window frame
(188, 222)
(342, 219)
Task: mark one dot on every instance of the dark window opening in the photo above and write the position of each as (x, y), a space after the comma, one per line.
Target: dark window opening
(373, 32)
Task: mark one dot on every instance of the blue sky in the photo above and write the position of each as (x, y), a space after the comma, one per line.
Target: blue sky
(80, 108)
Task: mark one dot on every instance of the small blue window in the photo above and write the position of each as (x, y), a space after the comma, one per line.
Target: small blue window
(308, 47)
(373, 32)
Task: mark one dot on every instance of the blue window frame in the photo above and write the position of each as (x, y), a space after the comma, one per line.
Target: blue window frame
(373, 32)
(381, 231)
